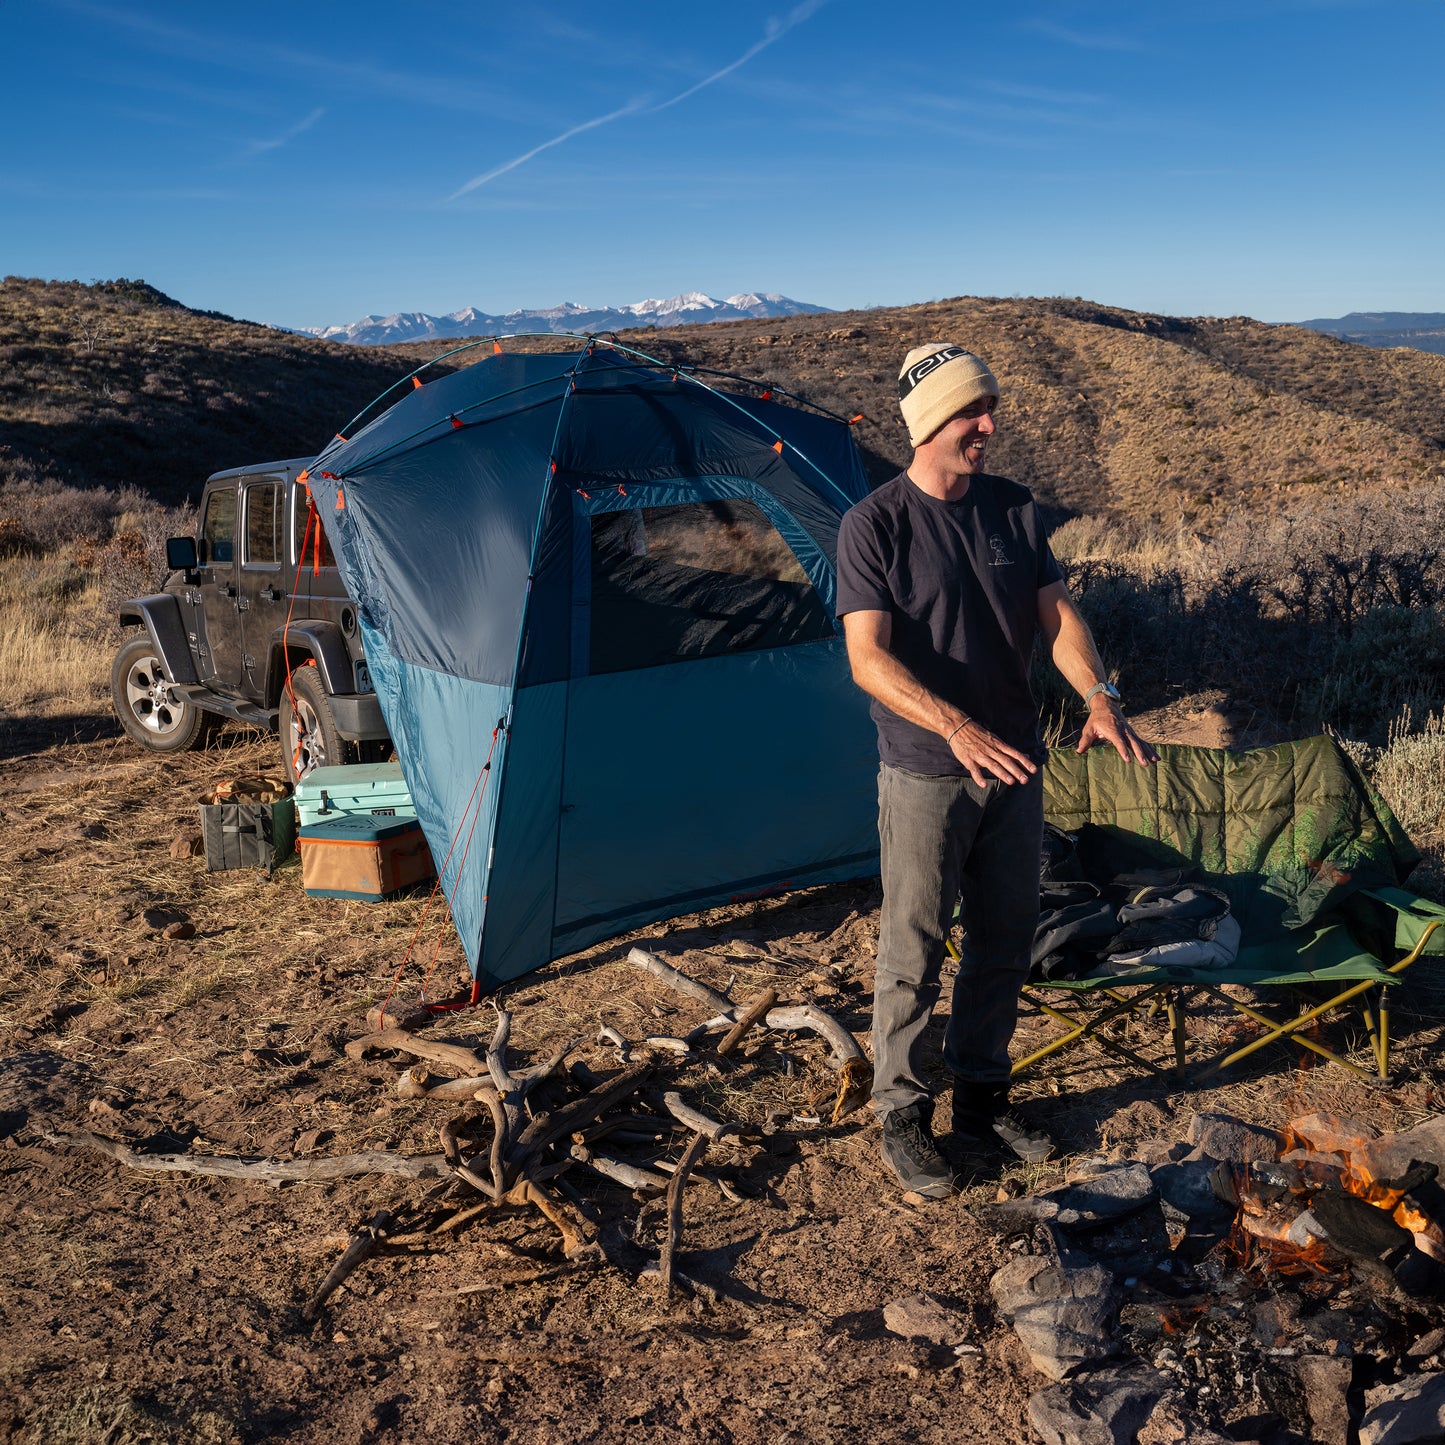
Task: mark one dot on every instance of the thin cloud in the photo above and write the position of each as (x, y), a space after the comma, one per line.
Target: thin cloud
(629, 109)
(776, 29)
(260, 147)
(1082, 41)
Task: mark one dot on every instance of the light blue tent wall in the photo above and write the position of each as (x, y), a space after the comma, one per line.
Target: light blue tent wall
(488, 526)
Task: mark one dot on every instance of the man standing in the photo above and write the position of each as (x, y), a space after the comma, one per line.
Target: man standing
(944, 578)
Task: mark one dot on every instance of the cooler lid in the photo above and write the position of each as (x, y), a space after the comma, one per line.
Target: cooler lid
(357, 828)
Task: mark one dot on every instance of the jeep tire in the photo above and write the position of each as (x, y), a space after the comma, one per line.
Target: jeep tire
(148, 706)
(309, 738)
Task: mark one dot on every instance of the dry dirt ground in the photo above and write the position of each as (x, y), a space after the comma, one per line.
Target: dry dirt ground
(138, 1306)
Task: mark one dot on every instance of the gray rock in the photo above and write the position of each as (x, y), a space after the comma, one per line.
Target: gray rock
(1326, 1382)
(1097, 1195)
(1109, 1194)
(1186, 1185)
(1231, 1140)
(1411, 1412)
(923, 1317)
(1061, 1309)
(1391, 1156)
(1104, 1408)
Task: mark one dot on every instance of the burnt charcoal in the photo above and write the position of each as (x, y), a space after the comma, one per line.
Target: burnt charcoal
(1410, 1412)
(1419, 1276)
(1326, 1381)
(1222, 1181)
(1277, 1321)
(1272, 1179)
(1418, 1175)
(1107, 1407)
(1358, 1227)
(1333, 1332)
(1176, 1224)
(1232, 1140)
(1427, 1345)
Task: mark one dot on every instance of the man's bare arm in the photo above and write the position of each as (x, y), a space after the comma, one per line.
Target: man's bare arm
(880, 674)
(1072, 648)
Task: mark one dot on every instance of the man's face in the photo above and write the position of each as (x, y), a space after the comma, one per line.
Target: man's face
(960, 443)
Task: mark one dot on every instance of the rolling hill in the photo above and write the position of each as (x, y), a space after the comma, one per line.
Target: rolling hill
(1105, 410)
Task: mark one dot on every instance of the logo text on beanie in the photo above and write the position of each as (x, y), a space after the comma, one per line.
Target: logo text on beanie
(920, 369)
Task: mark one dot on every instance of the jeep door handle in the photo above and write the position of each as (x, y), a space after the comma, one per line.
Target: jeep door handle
(226, 591)
(272, 594)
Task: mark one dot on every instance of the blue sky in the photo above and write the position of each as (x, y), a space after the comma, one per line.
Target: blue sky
(306, 163)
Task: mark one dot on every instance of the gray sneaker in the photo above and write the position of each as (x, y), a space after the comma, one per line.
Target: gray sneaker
(984, 1121)
(909, 1151)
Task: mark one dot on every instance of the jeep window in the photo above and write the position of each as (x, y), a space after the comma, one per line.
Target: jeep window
(692, 581)
(263, 525)
(299, 529)
(218, 531)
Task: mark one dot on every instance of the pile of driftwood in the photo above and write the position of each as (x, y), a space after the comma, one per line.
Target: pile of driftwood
(522, 1132)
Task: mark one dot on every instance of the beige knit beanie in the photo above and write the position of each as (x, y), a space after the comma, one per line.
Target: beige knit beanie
(938, 380)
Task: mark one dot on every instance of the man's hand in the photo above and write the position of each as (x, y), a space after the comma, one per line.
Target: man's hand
(982, 753)
(1107, 724)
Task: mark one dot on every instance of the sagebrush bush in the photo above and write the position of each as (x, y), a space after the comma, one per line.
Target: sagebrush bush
(1409, 771)
(1325, 618)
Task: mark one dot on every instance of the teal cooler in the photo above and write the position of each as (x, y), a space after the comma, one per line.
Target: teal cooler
(359, 789)
(362, 856)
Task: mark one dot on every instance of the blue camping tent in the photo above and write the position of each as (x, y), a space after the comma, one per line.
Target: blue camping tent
(597, 596)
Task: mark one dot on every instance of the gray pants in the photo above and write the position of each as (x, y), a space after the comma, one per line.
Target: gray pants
(943, 837)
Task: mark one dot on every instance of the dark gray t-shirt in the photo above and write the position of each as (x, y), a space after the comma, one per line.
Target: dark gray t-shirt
(961, 581)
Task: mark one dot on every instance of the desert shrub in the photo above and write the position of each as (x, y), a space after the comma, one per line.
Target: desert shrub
(132, 561)
(1334, 565)
(15, 541)
(1409, 772)
(1392, 661)
(55, 515)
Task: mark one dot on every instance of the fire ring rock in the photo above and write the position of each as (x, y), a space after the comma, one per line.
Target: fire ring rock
(1411, 1412)
(1062, 1311)
(1106, 1408)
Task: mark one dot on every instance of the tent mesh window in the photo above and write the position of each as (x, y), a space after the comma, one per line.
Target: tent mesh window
(673, 584)
(263, 524)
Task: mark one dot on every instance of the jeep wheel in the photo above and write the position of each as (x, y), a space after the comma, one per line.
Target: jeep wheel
(308, 730)
(148, 706)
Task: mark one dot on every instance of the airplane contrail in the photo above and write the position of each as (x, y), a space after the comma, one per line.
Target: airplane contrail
(775, 31)
(511, 165)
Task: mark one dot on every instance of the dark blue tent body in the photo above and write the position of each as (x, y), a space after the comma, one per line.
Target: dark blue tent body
(615, 585)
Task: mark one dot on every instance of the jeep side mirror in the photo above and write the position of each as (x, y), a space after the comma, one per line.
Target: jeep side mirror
(181, 554)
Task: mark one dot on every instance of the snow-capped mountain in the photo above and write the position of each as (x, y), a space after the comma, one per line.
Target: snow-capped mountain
(688, 309)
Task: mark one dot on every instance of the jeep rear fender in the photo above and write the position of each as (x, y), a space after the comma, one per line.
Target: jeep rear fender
(323, 644)
(160, 615)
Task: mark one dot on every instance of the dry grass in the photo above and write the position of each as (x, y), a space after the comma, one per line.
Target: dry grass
(55, 648)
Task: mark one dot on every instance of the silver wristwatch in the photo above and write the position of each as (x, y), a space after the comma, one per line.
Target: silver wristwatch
(1107, 688)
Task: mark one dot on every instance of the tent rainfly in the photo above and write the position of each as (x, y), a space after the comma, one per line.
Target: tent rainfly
(596, 594)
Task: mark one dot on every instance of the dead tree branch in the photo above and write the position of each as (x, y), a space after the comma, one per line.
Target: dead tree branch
(364, 1243)
(695, 1150)
(346, 1166)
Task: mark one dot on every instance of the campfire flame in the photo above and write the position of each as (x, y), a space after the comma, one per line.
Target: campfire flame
(1323, 1152)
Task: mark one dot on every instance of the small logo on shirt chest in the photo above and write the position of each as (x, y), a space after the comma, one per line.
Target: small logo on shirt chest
(1001, 557)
